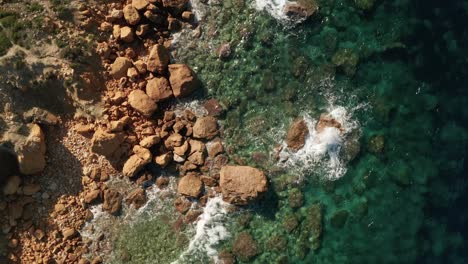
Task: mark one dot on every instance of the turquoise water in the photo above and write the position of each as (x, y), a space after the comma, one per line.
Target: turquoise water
(397, 69)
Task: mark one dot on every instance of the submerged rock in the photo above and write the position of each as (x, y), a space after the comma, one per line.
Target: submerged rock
(297, 133)
(242, 184)
(112, 201)
(339, 218)
(376, 144)
(300, 10)
(325, 121)
(244, 247)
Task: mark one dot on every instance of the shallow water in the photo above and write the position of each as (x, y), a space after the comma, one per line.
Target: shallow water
(394, 75)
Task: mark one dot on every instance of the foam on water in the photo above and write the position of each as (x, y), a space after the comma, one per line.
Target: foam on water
(210, 231)
(321, 149)
(274, 7)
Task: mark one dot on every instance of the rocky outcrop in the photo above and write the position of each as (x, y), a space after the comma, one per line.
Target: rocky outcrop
(105, 143)
(158, 59)
(325, 121)
(190, 185)
(112, 201)
(159, 89)
(183, 80)
(141, 102)
(205, 128)
(242, 184)
(31, 151)
(137, 197)
(297, 133)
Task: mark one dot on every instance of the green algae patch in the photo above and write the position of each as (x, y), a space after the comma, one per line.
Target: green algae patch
(148, 241)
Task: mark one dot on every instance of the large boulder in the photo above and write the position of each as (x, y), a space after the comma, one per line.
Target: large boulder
(297, 133)
(31, 151)
(105, 143)
(137, 161)
(242, 184)
(120, 66)
(190, 185)
(131, 15)
(141, 102)
(159, 89)
(183, 80)
(205, 128)
(158, 59)
(300, 10)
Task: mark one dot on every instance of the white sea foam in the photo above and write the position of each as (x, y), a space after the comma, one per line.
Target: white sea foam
(210, 231)
(274, 7)
(322, 148)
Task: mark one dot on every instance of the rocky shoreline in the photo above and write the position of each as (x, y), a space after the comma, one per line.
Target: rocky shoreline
(135, 135)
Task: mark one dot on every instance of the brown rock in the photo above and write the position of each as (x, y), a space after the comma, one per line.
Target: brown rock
(142, 102)
(224, 51)
(164, 159)
(106, 144)
(190, 185)
(215, 149)
(241, 184)
(196, 146)
(31, 189)
(183, 80)
(182, 204)
(112, 201)
(150, 141)
(197, 158)
(136, 197)
(31, 151)
(126, 34)
(245, 247)
(41, 116)
(188, 16)
(297, 133)
(137, 161)
(182, 149)
(213, 107)
(69, 233)
(301, 9)
(83, 129)
(116, 31)
(91, 196)
(177, 5)
(131, 15)
(159, 89)
(120, 66)
(327, 121)
(142, 30)
(12, 185)
(162, 182)
(140, 66)
(205, 128)
(174, 140)
(140, 4)
(158, 59)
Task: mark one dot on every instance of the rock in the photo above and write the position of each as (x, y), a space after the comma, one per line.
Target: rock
(173, 24)
(215, 149)
(142, 30)
(116, 14)
(213, 107)
(140, 66)
(142, 103)
(242, 184)
(31, 151)
(137, 161)
(106, 144)
(190, 185)
(69, 233)
(150, 141)
(180, 151)
(297, 133)
(347, 60)
(174, 140)
(91, 196)
(196, 146)
(365, 4)
(197, 158)
(244, 247)
(188, 16)
(131, 15)
(224, 51)
(311, 226)
(117, 126)
(116, 31)
(140, 4)
(126, 34)
(159, 89)
(339, 218)
(176, 5)
(158, 59)
(120, 66)
(295, 198)
(205, 128)
(132, 73)
(12, 185)
(182, 204)
(31, 189)
(376, 144)
(226, 257)
(164, 159)
(136, 197)
(83, 129)
(40, 116)
(183, 80)
(300, 10)
(327, 121)
(112, 201)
